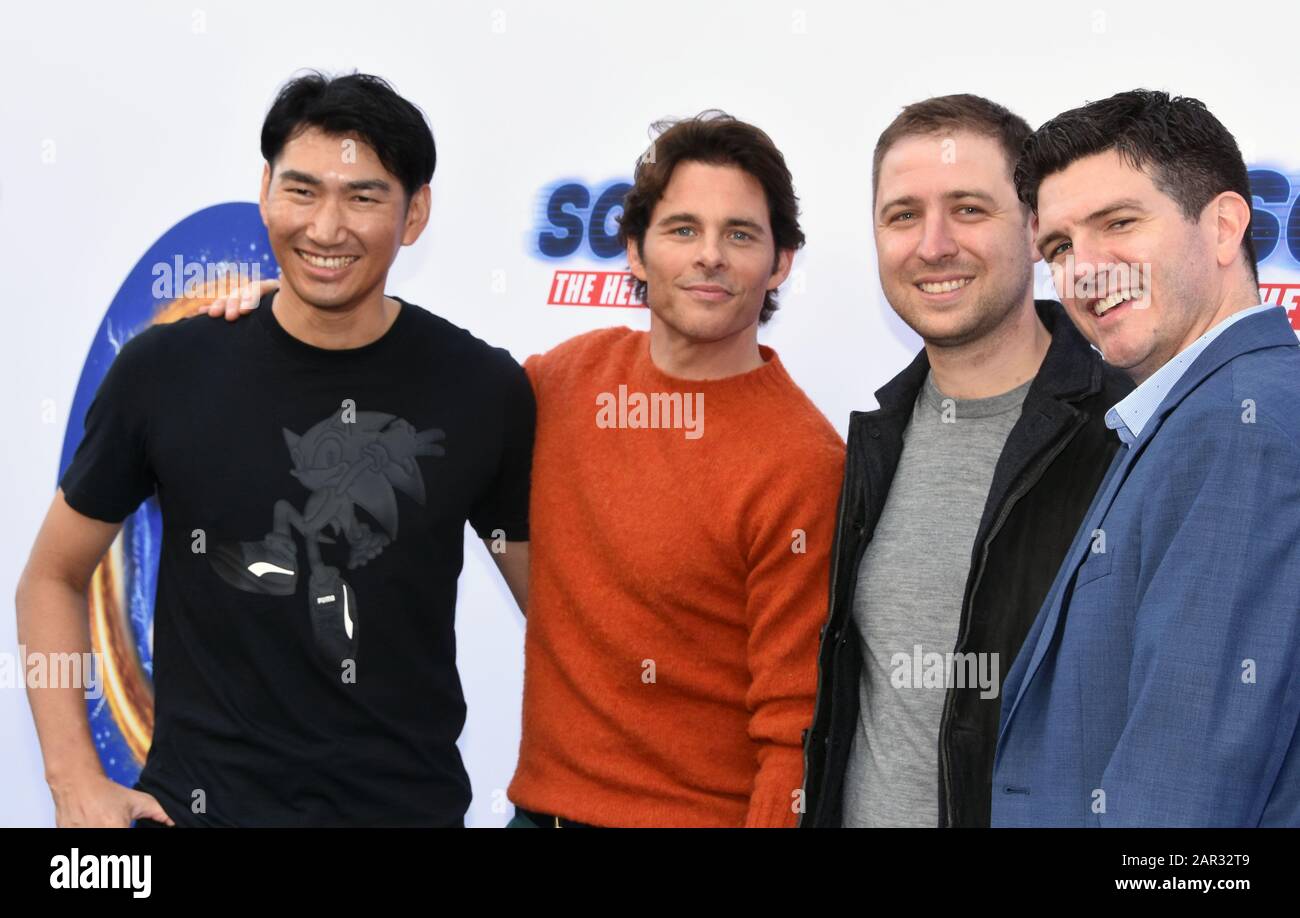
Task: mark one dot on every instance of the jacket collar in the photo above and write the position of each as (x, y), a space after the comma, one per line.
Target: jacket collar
(1070, 370)
(1269, 328)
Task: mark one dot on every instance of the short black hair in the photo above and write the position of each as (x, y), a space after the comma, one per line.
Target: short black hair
(1189, 154)
(359, 104)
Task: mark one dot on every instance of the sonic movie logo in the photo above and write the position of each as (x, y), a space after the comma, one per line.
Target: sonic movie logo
(1275, 232)
(571, 214)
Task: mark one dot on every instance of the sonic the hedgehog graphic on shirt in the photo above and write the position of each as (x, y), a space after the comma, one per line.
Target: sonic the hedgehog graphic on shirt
(349, 460)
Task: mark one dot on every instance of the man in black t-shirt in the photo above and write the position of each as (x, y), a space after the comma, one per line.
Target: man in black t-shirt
(314, 469)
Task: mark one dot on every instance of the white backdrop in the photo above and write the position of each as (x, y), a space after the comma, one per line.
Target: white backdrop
(119, 120)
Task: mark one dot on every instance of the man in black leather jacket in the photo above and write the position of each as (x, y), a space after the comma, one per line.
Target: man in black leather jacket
(950, 527)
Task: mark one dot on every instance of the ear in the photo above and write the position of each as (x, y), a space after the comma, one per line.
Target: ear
(1232, 222)
(634, 262)
(784, 262)
(290, 438)
(1033, 234)
(417, 215)
(264, 194)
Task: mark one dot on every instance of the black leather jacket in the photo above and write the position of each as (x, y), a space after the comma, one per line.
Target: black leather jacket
(1050, 467)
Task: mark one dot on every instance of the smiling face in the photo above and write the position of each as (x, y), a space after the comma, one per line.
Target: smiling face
(953, 242)
(1096, 218)
(708, 257)
(336, 218)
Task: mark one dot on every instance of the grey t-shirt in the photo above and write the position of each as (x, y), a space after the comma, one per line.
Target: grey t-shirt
(908, 601)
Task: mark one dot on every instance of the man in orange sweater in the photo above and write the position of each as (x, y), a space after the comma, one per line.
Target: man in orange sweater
(679, 570)
(681, 517)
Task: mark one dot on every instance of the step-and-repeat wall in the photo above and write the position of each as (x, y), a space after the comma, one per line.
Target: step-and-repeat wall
(130, 141)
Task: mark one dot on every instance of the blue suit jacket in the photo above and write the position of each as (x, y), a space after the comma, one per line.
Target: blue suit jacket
(1160, 683)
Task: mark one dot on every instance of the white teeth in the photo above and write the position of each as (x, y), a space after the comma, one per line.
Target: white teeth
(334, 263)
(945, 286)
(1103, 306)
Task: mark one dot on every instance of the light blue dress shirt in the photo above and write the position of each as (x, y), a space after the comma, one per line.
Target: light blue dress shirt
(1131, 413)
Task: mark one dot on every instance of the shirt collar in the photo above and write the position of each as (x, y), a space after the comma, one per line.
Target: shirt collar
(1130, 415)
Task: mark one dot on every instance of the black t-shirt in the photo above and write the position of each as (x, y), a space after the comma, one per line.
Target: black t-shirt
(304, 650)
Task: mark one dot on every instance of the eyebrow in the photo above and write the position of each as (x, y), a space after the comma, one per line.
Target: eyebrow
(684, 217)
(373, 184)
(910, 200)
(306, 178)
(1096, 215)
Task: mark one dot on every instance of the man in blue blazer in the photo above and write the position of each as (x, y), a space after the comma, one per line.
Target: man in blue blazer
(1160, 683)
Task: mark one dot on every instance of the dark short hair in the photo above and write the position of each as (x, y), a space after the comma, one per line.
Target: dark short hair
(358, 104)
(1187, 152)
(714, 138)
(960, 112)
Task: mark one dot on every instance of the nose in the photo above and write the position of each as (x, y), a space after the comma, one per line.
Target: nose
(709, 254)
(326, 226)
(937, 242)
(1086, 268)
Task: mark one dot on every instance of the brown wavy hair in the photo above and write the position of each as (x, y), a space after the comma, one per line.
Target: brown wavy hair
(715, 138)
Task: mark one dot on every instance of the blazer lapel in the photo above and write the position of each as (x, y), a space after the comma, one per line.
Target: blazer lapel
(1061, 589)
(1267, 329)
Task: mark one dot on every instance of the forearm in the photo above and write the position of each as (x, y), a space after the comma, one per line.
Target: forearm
(787, 605)
(52, 619)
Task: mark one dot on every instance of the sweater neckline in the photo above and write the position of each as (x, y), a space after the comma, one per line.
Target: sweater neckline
(770, 376)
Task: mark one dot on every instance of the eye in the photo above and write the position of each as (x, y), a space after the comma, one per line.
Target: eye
(302, 191)
(1058, 251)
(681, 229)
(742, 234)
(363, 198)
(901, 215)
(1119, 223)
(970, 207)
(327, 455)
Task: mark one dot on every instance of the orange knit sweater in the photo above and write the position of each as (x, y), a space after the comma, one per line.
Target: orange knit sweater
(678, 585)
